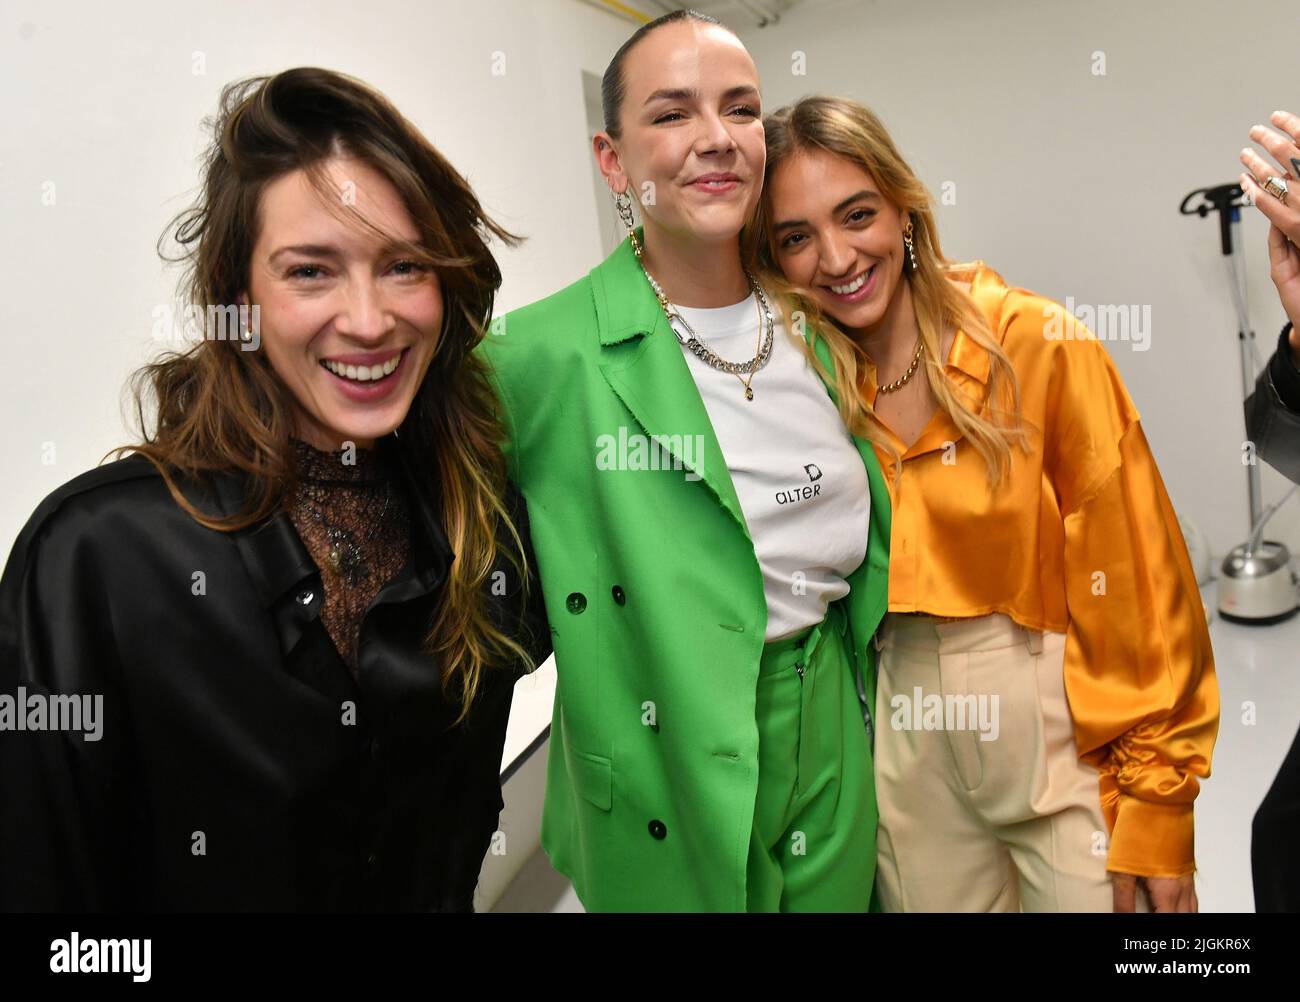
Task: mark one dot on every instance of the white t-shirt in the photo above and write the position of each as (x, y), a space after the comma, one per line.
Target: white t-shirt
(801, 483)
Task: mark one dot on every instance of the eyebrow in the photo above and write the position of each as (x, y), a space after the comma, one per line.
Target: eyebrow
(307, 250)
(323, 250)
(870, 196)
(691, 94)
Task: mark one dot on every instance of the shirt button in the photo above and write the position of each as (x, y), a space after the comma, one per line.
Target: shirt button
(619, 595)
(305, 596)
(658, 829)
(577, 602)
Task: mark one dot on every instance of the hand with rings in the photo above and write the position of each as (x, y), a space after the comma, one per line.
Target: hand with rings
(1276, 193)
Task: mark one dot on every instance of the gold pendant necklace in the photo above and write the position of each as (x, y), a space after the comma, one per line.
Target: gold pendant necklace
(749, 391)
(702, 351)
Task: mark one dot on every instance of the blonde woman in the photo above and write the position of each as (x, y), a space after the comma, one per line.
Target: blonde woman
(1046, 692)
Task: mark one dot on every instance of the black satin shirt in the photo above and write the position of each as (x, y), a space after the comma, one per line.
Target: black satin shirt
(239, 766)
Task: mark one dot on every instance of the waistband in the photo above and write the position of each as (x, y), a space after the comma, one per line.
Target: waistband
(783, 654)
(990, 632)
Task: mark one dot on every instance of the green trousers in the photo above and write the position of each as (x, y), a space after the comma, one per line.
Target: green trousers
(813, 847)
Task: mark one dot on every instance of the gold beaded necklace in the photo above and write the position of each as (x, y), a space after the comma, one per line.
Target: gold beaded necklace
(891, 387)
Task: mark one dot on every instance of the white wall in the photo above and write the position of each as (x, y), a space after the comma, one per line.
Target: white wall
(1068, 183)
(102, 102)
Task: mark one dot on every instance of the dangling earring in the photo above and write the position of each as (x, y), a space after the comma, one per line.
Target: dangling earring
(623, 202)
(907, 242)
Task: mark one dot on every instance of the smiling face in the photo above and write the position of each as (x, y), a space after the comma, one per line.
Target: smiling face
(348, 324)
(692, 147)
(838, 237)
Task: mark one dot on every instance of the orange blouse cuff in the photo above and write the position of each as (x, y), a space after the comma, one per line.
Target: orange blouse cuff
(1148, 839)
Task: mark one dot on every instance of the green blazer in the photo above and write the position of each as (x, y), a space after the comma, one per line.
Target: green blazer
(654, 596)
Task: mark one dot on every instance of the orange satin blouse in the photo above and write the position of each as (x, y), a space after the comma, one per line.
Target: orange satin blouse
(1081, 540)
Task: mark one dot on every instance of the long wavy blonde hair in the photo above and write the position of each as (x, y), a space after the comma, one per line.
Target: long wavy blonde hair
(846, 129)
(217, 408)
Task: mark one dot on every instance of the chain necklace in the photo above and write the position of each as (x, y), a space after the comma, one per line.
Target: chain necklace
(706, 354)
(920, 347)
(696, 346)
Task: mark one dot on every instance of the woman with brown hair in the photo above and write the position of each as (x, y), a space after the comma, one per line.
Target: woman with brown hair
(294, 614)
(1045, 663)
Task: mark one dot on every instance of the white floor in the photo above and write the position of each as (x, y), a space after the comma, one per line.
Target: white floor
(1259, 676)
(1259, 684)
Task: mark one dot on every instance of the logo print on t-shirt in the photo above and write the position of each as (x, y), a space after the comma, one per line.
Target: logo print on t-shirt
(802, 492)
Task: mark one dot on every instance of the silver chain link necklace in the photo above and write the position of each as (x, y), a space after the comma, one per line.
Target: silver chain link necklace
(706, 354)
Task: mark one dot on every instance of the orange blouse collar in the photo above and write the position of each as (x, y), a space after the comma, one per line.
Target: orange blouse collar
(965, 356)
(988, 289)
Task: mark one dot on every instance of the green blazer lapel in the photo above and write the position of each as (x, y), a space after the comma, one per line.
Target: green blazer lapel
(642, 361)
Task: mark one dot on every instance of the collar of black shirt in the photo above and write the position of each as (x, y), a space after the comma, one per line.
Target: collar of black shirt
(278, 561)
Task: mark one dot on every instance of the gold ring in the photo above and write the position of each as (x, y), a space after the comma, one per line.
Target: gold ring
(1276, 187)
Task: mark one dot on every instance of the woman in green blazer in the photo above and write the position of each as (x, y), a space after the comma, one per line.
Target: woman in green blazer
(712, 544)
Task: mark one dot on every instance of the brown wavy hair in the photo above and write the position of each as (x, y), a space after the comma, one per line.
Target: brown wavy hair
(220, 409)
(846, 129)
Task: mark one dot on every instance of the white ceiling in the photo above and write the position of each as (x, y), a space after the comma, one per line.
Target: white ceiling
(739, 13)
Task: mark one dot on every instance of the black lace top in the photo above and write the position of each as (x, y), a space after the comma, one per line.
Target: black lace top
(353, 516)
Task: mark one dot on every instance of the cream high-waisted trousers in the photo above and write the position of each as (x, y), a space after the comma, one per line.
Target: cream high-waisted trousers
(984, 805)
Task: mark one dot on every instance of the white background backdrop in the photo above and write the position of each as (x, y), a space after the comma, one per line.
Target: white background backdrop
(1066, 182)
